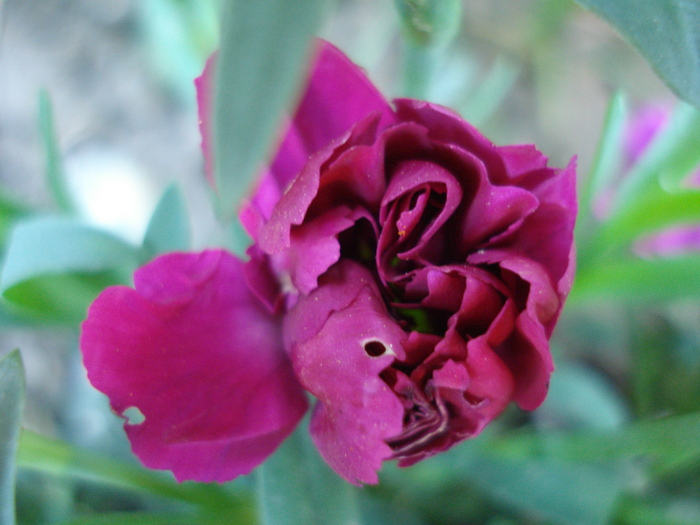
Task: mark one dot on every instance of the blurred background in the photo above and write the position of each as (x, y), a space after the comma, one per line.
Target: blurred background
(118, 76)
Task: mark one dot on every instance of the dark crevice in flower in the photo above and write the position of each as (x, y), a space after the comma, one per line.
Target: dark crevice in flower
(359, 243)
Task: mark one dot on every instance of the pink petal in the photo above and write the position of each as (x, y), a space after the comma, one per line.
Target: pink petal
(405, 204)
(340, 365)
(292, 208)
(547, 235)
(314, 245)
(200, 357)
(526, 353)
(337, 96)
(447, 127)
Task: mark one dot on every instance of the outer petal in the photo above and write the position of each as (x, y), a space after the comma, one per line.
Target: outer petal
(357, 412)
(200, 357)
(337, 96)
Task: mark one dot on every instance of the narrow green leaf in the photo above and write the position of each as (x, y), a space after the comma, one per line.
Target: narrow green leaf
(11, 403)
(674, 152)
(658, 509)
(649, 213)
(55, 174)
(572, 494)
(238, 239)
(295, 487)
(430, 22)
(638, 280)
(136, 518)
(488, 95)
(178, 35)
(261, 64)
(607, 159)
(55, 457)
(579, 397)
(10, 212)
(168, 230)
(666, 443)
(666, 33)
(55, 263)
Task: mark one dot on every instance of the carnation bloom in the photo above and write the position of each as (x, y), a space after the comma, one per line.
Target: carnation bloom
(405, 271)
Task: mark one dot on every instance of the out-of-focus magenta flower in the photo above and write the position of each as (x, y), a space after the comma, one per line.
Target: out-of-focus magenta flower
(643, 127)
(405, 271)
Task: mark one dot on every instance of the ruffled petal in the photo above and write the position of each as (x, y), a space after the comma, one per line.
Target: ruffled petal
(447, 127)
(341, 365)
(337, 96)
(198, 355)
(292, 208)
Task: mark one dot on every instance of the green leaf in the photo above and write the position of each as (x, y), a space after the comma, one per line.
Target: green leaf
(566, 493)
(11, 403)
(10, 212)
(666, 33)
(606, 163)
(55, 174)
(658, 509)
(260, 67)
(638, 280)
(649, 213)
(161, 518)
(47, 455)
(580, 397)
(168, 230)
(483, 102)
(668, 160)
(295, 487)
(136, 518)
(667, 443)
(178, 35)
(54, 267)
(430, 22)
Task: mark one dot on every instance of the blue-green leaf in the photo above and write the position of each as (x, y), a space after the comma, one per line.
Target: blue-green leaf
(11, 402)
(607, 159)
(430, 22)
(579, 397)
(566, 493)
(668, 443)
(51, 456)
(55, 174)
(666, 33)
(295, 487)
(261, 64)
(168, 230)
(55, 267)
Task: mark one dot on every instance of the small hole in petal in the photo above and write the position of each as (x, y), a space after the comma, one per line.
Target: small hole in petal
(375, 348)
(133, 416)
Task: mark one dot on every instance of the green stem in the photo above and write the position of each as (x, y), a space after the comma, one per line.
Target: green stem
(55, 457)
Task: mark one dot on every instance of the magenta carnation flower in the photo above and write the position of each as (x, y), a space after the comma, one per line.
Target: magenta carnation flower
(405, 271)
